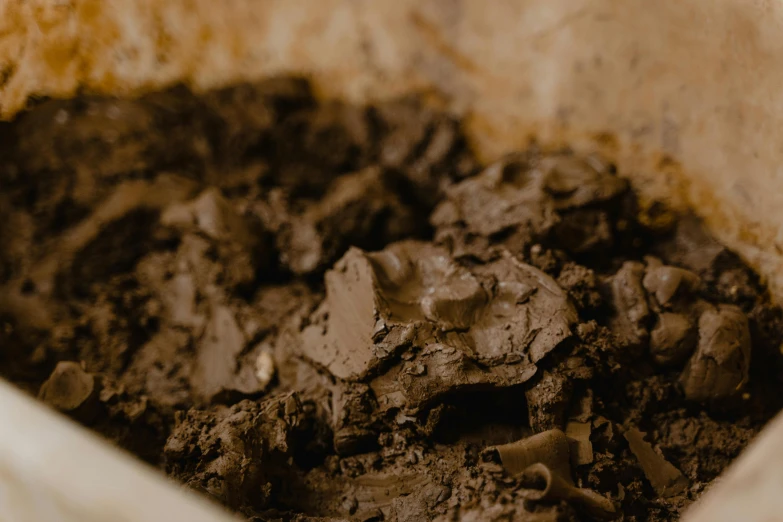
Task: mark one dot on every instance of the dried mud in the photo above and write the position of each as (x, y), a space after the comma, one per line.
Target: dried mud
(316, 311)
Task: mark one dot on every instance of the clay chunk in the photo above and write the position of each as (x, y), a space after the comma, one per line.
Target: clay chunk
(522, 199)
(665, 282)
(506, 194)
(216, 369)
(70, 389)
(225, 451)
(343, 342)
(547, 401)
(720, 366)
(355, 210)
(666, 480)
(414, 294)
(630, 304)
(672, 339)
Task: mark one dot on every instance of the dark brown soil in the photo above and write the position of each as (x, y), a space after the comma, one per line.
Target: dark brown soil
(317, 311)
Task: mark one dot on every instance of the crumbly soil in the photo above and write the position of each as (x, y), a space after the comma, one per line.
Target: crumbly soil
(317, 311)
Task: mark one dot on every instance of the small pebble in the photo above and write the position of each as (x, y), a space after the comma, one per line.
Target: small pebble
(265, 368)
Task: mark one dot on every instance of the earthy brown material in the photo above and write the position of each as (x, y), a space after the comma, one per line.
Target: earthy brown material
(71, 390)
(558, 488)
(548, 447)
(317, 310)
(665, 478)
(720, 366)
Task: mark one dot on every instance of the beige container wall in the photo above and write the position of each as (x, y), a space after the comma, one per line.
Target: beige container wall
(685, 94)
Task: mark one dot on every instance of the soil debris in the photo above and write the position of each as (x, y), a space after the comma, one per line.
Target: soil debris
(548, 401)
(311, 310)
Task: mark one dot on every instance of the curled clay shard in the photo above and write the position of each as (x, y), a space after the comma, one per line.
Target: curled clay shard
(544, 460)
(672, 339)
(630, 304)
(666, 480)
(413, 294)
(720, 366)
(664, 282)
(549, 448)
(69, 388)
(548, 485)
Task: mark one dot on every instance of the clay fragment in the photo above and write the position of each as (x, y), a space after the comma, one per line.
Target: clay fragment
(664, 282)
(720, 366)
(71, 390)
(238, 239)
(545, 459)
(344, 343)
(630, 304)
(547, 401)
(578, 434)
(216, 368)
(379, 489)
(667, 480)
(440, 370)
(523, 198)
(528, 314)
(549, 448)
(692, 247)
(357, 210)
(556, 487)
(249, 435)
(575, 182)
(672, 339)
(506, 194)
(352, 415)
(414, 294)
(211, 214)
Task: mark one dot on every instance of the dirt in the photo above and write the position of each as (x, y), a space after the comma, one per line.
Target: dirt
(317, 311)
